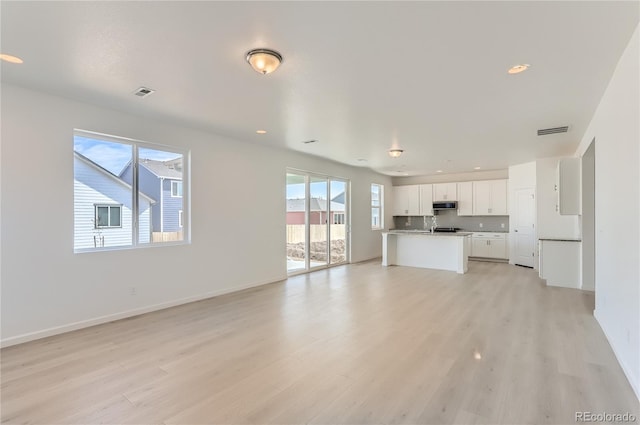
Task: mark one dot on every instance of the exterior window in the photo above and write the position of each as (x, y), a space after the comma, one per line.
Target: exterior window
(127, 193)
(377, 200)
(108, 216)
(176, 189)
(338, 218)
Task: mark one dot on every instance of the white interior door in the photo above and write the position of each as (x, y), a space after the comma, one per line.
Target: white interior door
(524, 236)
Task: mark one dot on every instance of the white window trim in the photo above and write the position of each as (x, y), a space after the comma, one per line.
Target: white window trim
(109, 206)
(380, 207)
(176, 182)
(186, 175)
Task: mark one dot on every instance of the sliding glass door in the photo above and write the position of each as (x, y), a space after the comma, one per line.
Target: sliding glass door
(317, 221)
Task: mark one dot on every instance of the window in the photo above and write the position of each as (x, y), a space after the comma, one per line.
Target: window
(121, 193)
(377, 200)
(176, 189)
(338, 218)
(108, 216)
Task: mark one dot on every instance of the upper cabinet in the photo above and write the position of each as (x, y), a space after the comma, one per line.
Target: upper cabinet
(465, 198)
(445, 192)
(426, 199)
(568, 186)
(490, 197)
(406, 200)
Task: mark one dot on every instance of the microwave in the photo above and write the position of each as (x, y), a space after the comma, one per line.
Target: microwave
(445, 205)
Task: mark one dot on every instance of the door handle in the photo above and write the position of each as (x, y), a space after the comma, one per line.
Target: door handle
(516, 230)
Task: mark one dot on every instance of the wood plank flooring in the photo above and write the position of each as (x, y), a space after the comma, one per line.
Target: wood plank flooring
(356, 344)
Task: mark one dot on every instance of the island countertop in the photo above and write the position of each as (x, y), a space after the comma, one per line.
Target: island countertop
(426, 233)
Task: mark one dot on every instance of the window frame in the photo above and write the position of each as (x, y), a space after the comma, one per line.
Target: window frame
(180, 219)
(109, 206)
(379, 208)
(178, 183)
(136, 145)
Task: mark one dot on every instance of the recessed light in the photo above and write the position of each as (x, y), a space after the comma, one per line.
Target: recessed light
(476, 168)
(394, 153)
(518, 68)
(439, 171)
(477, 355)
(261, 131)
(11, 59)
(306, 142)
(361, 160)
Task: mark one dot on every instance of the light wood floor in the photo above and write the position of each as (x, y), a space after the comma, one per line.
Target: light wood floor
(359, 344)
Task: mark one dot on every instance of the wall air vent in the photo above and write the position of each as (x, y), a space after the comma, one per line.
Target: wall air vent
(554, 130)
(143, 92)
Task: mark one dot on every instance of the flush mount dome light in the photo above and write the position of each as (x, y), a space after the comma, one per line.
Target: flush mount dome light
(264, 61)
(394, 153)
(518, 68)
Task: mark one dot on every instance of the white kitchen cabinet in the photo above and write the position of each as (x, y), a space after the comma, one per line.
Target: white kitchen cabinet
(426, 199)
(560, 262)
(490, 245)
(465, 198)
(406, 200)
(490, 197)
(568, 186)
(445, 192)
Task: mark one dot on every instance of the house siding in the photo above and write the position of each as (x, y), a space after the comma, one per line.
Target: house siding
(91, 187)
(172, 206)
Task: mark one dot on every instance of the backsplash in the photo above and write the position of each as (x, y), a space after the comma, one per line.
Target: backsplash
(451, 219)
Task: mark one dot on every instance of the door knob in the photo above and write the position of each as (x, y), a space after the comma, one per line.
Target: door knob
(515, 230)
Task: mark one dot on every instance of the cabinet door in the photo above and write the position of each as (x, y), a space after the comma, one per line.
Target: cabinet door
(445, 192)
(498, 248)
(465, 198)
(482, 198)
(480, 247)
(426, 199)
(499, 198)
(400, 201)
(413, 194)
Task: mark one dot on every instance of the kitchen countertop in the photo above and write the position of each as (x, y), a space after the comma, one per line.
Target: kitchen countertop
(560, 240)
(426, 233)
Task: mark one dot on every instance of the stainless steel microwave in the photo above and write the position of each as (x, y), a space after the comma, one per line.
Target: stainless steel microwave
(445, 205)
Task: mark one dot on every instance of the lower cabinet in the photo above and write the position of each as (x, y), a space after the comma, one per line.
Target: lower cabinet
(489, 245)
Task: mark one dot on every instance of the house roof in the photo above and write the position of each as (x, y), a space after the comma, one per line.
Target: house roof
(315, 204)
(171, 169)
(109, 174)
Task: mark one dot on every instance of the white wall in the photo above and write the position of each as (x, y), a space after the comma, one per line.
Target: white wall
(550, 223)
(588, 217)
(616, 128)
(453, 177)
(521, 176)
(238, 219)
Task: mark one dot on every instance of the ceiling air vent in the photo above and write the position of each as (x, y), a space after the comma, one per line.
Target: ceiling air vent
(143, 92)
(554, 130)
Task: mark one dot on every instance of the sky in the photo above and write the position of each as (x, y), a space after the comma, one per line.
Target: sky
(318, 190)
(114, 156)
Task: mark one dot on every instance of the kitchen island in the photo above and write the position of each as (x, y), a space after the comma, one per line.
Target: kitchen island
(441, 251)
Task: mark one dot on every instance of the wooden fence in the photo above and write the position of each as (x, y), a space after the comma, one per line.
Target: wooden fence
(318, 232)
(166, 236)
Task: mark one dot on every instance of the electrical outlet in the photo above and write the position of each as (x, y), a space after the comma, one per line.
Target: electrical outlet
(502, 225)
(480, 225)
(133, 291)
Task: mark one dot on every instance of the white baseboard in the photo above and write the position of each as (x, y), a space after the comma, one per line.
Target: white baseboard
(625, 369)
(31, 336)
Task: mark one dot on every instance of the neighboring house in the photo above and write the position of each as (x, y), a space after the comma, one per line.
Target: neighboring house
(317, 211)
(161, 180)
(102, 207)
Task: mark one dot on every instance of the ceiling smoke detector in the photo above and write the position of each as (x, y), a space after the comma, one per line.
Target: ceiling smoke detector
(143, 92)
(553, 130)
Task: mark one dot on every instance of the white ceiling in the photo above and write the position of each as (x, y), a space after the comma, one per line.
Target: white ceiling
(360, 77)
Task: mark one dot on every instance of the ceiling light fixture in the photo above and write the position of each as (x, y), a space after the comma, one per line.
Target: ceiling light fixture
(518, 68)
(261, 131)
(476, 168)
(394, 153)
(10, 59)
(439, 171)
(264, 61)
